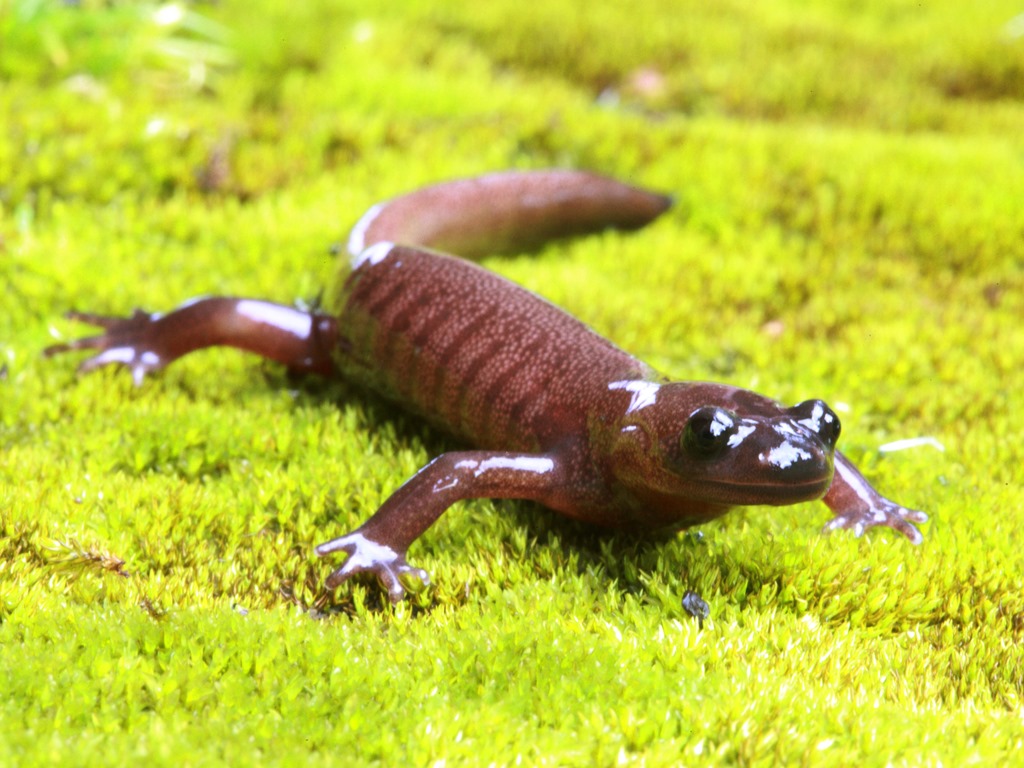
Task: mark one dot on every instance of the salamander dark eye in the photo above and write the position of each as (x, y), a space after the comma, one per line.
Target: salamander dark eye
(816, 416)
(708, 431)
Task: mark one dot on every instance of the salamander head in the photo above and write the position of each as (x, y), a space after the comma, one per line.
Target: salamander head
(707, 446)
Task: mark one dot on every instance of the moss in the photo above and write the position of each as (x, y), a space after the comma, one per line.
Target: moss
(847, 226)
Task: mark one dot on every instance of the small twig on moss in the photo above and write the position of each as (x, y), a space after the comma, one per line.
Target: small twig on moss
(72, 559)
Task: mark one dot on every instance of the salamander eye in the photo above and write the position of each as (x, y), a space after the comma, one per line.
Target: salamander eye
(708, 431)
(816, 416)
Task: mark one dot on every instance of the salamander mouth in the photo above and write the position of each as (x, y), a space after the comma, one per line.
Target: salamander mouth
(770, 493)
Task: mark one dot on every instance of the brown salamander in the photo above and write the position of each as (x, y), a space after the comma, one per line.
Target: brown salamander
(556, 413)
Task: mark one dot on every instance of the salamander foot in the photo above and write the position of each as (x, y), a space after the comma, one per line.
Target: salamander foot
(883, 512)
(128, 341)
(368, 556)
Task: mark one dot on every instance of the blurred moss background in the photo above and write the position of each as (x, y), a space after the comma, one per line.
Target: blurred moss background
(849, 179)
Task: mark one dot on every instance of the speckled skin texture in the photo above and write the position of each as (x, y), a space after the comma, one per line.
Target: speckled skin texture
(552, 411)
(480, 358)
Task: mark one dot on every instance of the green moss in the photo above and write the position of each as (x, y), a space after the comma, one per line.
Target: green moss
(848, 225)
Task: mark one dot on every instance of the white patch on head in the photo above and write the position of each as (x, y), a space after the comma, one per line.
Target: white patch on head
(786, 455)
(784, 428)
(743, 431)
(813, 422)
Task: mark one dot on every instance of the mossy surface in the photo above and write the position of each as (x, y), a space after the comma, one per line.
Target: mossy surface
(849, 225)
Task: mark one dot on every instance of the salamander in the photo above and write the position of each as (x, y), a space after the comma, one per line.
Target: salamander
(549, 410)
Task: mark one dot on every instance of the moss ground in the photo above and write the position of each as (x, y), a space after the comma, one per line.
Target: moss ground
(849, 225)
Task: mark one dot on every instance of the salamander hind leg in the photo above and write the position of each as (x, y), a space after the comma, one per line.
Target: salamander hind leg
(144, 342)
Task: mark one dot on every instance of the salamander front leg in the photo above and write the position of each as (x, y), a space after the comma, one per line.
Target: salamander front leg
(380, 544)
(858, 506)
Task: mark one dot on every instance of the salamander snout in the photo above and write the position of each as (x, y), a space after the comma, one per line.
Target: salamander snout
(803, 443)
